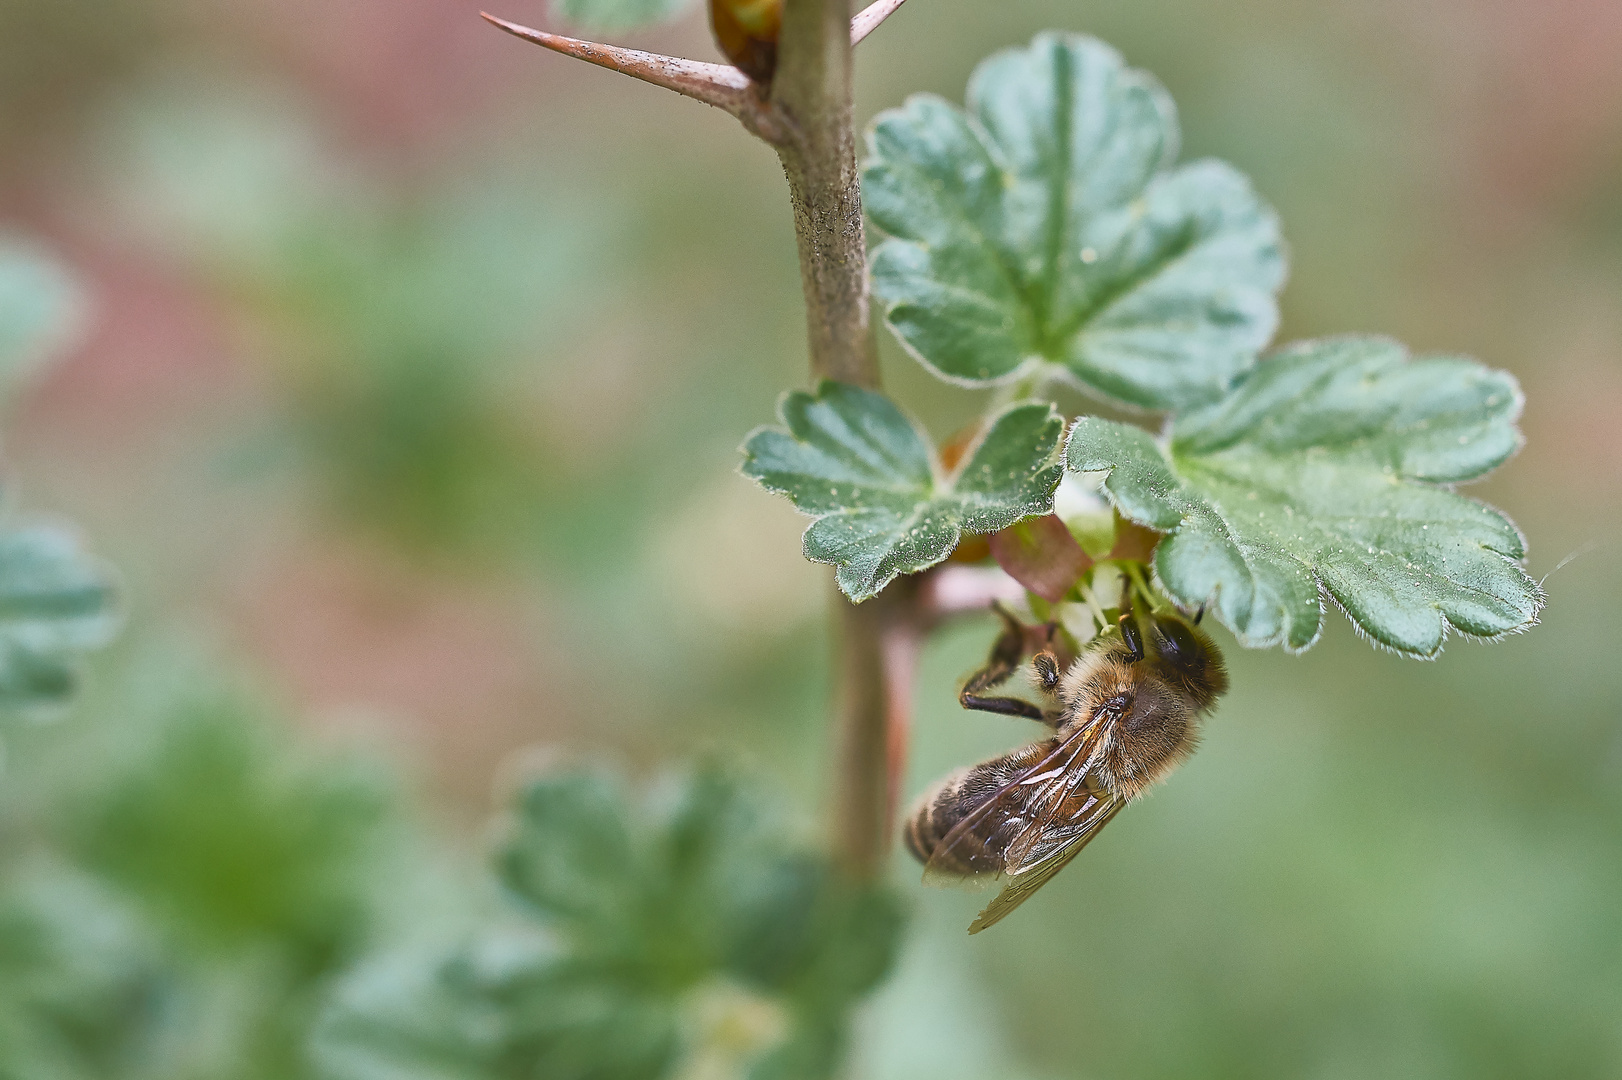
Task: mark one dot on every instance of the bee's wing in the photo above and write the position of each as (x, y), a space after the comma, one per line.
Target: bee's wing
(1009, 823)
(1022, 883)
(1070, 814)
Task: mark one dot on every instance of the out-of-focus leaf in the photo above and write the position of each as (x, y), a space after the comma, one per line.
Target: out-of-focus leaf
(224, 839)
(618, 14)
(1047, 226)
(853, 461)
(502, 1006)
(1329, 469)
(421, 330)
(814, 1052)
(681, 933)
(815, 938)
(56, 602)
(216, 882)
(76, 977)
(570, 853)
(38, 308)
(418, 1015)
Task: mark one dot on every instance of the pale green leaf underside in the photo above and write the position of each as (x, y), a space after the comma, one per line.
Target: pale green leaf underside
(1325, 471)
(1047, 225)
(617, 14)
(852, 460)
(56, 602)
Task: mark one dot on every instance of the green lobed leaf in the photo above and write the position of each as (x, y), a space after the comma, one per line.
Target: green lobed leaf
(618, 14)
(56, 602)
(1046, 226)
(1328, 470)
(853, 461)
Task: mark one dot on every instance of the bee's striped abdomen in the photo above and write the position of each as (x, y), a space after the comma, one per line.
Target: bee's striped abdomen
(980, 849)
(939, 811)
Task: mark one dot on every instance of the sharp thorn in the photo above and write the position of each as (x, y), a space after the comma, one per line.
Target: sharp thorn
(867, 20)
(720, 85)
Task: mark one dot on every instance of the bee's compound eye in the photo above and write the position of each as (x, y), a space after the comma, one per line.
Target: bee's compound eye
(1176, 641)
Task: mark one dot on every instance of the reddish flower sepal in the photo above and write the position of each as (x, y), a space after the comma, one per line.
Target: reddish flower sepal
(1041, 555)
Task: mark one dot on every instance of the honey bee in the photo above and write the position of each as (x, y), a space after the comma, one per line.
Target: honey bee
(1125, 714)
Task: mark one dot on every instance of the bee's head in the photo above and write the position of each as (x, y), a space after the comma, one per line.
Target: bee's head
(1184, 654)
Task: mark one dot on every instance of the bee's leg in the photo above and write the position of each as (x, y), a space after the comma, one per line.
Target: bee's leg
(1007, 653)
(1046, 666)
(1007, 706)
(1047, 671)
(989, 677)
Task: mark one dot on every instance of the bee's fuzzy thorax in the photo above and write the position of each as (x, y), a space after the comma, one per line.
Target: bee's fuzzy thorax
(1095, 677)
(1149, 719)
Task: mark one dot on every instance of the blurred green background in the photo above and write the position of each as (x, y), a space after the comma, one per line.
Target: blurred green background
(406, 398)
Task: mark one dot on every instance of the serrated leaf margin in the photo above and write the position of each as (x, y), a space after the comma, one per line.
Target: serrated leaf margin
(1160, 518)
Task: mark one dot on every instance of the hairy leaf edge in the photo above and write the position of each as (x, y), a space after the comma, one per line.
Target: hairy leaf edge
(942, 483)
(1057, 370)
(1535, 591)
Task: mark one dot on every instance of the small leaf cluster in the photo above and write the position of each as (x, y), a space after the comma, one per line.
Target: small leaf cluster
(1044, 234)
(661, 940)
